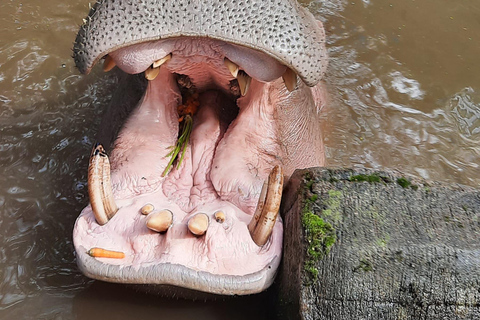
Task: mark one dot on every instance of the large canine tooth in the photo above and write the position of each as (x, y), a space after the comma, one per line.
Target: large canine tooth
(152, 73)
(159, 62)
(160, 221)
(258, 212)
(290, 79)
(198, 224)
(100, 187)
(108, 64)
(268, 217)
(232, 67)
(244, 82)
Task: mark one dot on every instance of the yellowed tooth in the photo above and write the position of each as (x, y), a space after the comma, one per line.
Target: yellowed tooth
(198, 224)
(108, 202)
(99, 186)
(261, 202)
(160, 221)
(244, 81)
(159, 62)
(152, 73)
(146, 209)
(290, 79)
(269, 214)
(232, 67)
(219, 216)
(108, 64)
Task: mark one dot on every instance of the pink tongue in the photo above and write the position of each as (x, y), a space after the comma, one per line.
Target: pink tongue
(190, 185)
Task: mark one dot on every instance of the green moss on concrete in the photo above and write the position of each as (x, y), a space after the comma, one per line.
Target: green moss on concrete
(333, 206)
(320, 236)
(371, 178)
(404, 183)
(364, 265)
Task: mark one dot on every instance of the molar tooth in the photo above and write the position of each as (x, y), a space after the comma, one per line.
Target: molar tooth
(290, 79)
(159, 62)
(99, 186)
(219, 216)
(244, 82)
(160, 221)
(198, 224)
(108, 63)
(232, 67)
(146, 209)
(151, 73)
(269, 214)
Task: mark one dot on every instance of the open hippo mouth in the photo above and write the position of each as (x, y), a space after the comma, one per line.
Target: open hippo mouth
(190, 194)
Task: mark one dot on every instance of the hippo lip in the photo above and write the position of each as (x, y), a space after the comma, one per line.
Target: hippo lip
(245, 126)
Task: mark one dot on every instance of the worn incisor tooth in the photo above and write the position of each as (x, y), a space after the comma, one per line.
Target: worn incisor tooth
(95, 189)
(269, 214)
(232, 67)
(160, 221)
(198, 224)
(290, 79)
(159, 62)
(152, 73)
(219, 216)
(108, 64)
(146, 209)
(258, 211)
(243, 82)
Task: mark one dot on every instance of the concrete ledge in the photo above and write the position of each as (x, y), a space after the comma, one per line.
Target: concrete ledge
(378, 245)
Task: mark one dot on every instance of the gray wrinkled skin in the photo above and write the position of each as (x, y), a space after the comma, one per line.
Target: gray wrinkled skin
(281, 28)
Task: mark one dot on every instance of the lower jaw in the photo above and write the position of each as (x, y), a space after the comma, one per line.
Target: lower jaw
(223, 261)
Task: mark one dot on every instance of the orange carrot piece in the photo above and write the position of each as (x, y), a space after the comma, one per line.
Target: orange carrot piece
(103, 253)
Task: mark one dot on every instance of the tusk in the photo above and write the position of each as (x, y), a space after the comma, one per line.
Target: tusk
(108, 63)
(232, 67)
(159, 62)
(160, 221)
(290, 79)
(269, 214)
(261, 202)
(198, 224)
(243, 82)
(152, 73)
(100, 187)
(108, 201)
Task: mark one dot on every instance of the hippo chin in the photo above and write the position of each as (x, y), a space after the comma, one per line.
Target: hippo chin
(230, 110)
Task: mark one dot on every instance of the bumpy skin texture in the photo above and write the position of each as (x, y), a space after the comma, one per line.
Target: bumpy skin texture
(280, 28)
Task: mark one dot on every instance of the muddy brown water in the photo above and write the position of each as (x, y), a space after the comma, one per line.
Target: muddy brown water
(404, 83)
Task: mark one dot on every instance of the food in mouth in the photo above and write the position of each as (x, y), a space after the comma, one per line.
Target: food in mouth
(190, 190)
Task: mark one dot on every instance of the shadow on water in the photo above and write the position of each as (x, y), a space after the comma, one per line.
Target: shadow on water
(110, 301)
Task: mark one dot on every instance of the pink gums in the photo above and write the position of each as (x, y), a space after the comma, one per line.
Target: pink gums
(199, 185)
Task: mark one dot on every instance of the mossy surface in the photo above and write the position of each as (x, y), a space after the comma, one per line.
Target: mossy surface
(404, 183)
(333, 206)
(372, 178)
(320, 236)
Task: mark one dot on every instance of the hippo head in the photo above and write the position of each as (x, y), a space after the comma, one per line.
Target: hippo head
(191, 188)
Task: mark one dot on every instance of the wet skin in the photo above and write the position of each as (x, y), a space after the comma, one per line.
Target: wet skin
(257, 105)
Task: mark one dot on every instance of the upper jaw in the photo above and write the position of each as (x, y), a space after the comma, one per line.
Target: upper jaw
(280, 29)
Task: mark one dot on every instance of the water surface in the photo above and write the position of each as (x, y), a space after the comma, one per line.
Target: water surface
(405, 94)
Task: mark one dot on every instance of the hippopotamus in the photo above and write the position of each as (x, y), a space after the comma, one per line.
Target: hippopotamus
(219, 103)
